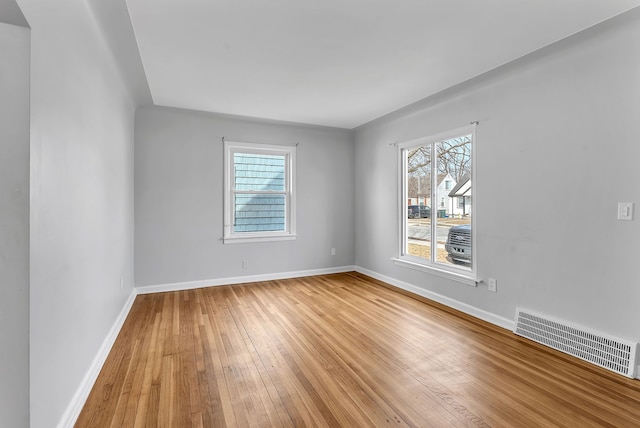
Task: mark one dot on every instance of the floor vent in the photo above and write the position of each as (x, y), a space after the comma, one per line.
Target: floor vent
(608, 352)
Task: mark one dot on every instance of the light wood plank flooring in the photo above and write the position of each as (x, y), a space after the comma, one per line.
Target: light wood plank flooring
(339, 350)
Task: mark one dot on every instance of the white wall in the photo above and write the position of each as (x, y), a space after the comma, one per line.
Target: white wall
(178, 198)
(14, 226)
(82, 128)
(558, 140)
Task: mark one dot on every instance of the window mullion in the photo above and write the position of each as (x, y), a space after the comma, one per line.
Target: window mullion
(434, 203)
(260, 192)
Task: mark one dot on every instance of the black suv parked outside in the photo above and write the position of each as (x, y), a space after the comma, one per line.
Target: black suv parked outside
(419, 211)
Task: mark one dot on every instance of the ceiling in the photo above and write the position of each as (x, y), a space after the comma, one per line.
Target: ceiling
(10, 13)
(338, 63)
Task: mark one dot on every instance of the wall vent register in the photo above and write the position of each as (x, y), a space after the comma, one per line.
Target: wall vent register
(611, 353)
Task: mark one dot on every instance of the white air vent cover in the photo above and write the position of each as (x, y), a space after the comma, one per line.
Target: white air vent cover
(608, 352)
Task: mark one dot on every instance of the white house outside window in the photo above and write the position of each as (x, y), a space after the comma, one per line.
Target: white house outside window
(441, 239)
(259, 192)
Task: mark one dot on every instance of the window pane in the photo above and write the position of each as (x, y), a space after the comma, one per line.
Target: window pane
(454, 210)
(259, 213)
(419, 202)
(259, 172)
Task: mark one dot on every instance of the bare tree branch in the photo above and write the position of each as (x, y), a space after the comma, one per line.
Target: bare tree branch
(453, 158)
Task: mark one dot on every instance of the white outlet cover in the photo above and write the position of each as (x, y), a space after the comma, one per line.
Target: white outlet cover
(625, 210)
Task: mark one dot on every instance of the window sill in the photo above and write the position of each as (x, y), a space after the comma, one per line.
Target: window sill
(256, 238)
(467, 279)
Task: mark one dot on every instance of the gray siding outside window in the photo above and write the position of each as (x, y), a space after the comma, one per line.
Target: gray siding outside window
(259, 212)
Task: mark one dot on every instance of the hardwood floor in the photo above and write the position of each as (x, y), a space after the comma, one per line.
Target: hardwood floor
(339, 350)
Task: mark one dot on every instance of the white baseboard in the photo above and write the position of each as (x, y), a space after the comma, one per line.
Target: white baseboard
(74, 408)
(452, 303)
(189, 285)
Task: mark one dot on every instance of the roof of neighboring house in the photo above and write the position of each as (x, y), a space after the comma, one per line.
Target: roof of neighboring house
(463, 188)
(426, 186)
(441, 177)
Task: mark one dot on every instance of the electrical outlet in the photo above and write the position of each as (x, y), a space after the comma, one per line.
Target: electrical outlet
(245, 264)
(493, 285)
(625, 210)
(333, 251)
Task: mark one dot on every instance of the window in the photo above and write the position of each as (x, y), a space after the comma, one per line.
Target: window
(259, 192)
(438, 170)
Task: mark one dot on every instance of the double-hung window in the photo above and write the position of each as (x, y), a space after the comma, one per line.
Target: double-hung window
(259, 192)
(437, 232)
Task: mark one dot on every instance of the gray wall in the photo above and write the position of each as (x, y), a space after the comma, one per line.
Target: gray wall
(14, 226)
(178, 198)
(82, 128)
(556, 152)
(557, 148)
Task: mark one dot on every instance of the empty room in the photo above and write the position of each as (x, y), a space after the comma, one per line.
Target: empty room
(226, 213)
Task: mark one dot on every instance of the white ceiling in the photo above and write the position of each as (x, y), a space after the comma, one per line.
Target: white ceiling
(10, 13)
(338, 63)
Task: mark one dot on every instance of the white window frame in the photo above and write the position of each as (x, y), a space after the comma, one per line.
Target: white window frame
(466, 276)
(289, 152)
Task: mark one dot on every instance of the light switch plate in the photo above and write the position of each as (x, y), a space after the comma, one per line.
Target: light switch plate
(625, 210)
